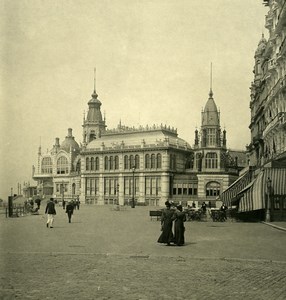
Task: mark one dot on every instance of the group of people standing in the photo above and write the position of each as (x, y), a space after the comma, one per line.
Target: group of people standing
(170, 215)
(51, 210)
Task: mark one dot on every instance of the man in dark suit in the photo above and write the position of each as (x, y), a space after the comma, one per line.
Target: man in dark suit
(51, 212)
(69, 210)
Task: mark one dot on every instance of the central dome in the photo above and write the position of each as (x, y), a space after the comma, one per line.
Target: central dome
(69, 143)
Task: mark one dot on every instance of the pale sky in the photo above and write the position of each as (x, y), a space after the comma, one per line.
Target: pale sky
(153, 66)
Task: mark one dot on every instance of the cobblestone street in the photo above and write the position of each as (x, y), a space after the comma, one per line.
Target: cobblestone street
(106, 254)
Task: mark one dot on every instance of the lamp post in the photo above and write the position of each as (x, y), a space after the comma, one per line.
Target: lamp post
(133, 188)
(268, 215)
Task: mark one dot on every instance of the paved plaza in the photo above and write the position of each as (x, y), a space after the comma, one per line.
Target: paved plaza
(108, 254)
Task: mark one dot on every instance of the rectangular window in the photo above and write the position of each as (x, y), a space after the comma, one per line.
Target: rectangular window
(126, 186)
(87, 186)
(158, 186)
(96, 185)
(277, 204)
(92, 186)
(106, 186)
(174, 191)
(153, 186)
(179, 191)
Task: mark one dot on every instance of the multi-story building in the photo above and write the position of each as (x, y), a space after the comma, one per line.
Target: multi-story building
(265, 189)
(146, 164)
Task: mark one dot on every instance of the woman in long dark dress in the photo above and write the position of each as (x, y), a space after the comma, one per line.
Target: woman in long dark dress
(180, 218)
(166, 236)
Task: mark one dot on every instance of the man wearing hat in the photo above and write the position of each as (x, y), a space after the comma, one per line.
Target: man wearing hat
(51, 212)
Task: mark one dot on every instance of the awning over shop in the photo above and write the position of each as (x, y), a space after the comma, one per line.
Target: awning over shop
(254, 195)
(230, 194)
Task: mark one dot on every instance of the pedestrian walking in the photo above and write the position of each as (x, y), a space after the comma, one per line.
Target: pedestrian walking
(51, 212)
(166, 236)
(77, 202)
(223, 210)
(179, 217)
(69, 210)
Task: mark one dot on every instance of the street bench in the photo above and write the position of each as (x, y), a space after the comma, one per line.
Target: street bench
(155, 214)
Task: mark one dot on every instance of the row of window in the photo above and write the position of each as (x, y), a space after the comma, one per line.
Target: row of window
(212, 189)
(185, 191)
(152, 161)
(211, 160)
(111, 187)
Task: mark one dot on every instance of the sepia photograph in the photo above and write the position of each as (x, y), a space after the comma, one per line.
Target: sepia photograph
(143, 151)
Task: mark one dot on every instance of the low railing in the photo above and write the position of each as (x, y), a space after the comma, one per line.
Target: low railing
(277, 120)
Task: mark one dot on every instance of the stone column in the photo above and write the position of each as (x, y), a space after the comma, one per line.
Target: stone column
(165, 187)
(142, 187)
(82, 191)
(101, 190)
(121, 189)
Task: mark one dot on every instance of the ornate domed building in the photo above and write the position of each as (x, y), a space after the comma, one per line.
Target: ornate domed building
(144, 165)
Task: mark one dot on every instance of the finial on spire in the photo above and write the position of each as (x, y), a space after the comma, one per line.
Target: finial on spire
(94, 94)
(94, 77)
(211, 81)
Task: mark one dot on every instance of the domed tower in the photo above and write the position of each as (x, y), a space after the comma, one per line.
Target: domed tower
(210, 143)
(258, 58)
(210, 129)
(69, 144)
(93, 124)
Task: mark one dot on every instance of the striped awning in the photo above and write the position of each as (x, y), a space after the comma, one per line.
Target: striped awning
(230, 194)
(254, 195)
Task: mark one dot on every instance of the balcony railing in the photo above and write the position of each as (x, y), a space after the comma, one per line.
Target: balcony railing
(279, 119)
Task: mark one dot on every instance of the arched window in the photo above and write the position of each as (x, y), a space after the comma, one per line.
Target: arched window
(147, 161)
(106, 163)
(152, 161)
(116, 162)
(173, 161)
(137, 161)
(159, 161)
(199, 161)
(96, 163)
(211, 161)
(73, 188)
(92, 164)
(62, 165)
(126, 162)
(212, 189)
(211, 137)
(87, 164)
(78, 166)
(47, 167)
(92, 135)
(131, 161)
(111, 164)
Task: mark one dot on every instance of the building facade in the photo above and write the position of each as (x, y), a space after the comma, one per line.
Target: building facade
(265, 188)
(147, 165)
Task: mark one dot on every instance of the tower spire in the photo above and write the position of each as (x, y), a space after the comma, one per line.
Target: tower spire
(94, 77)
(94, 94)
(211, 81)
